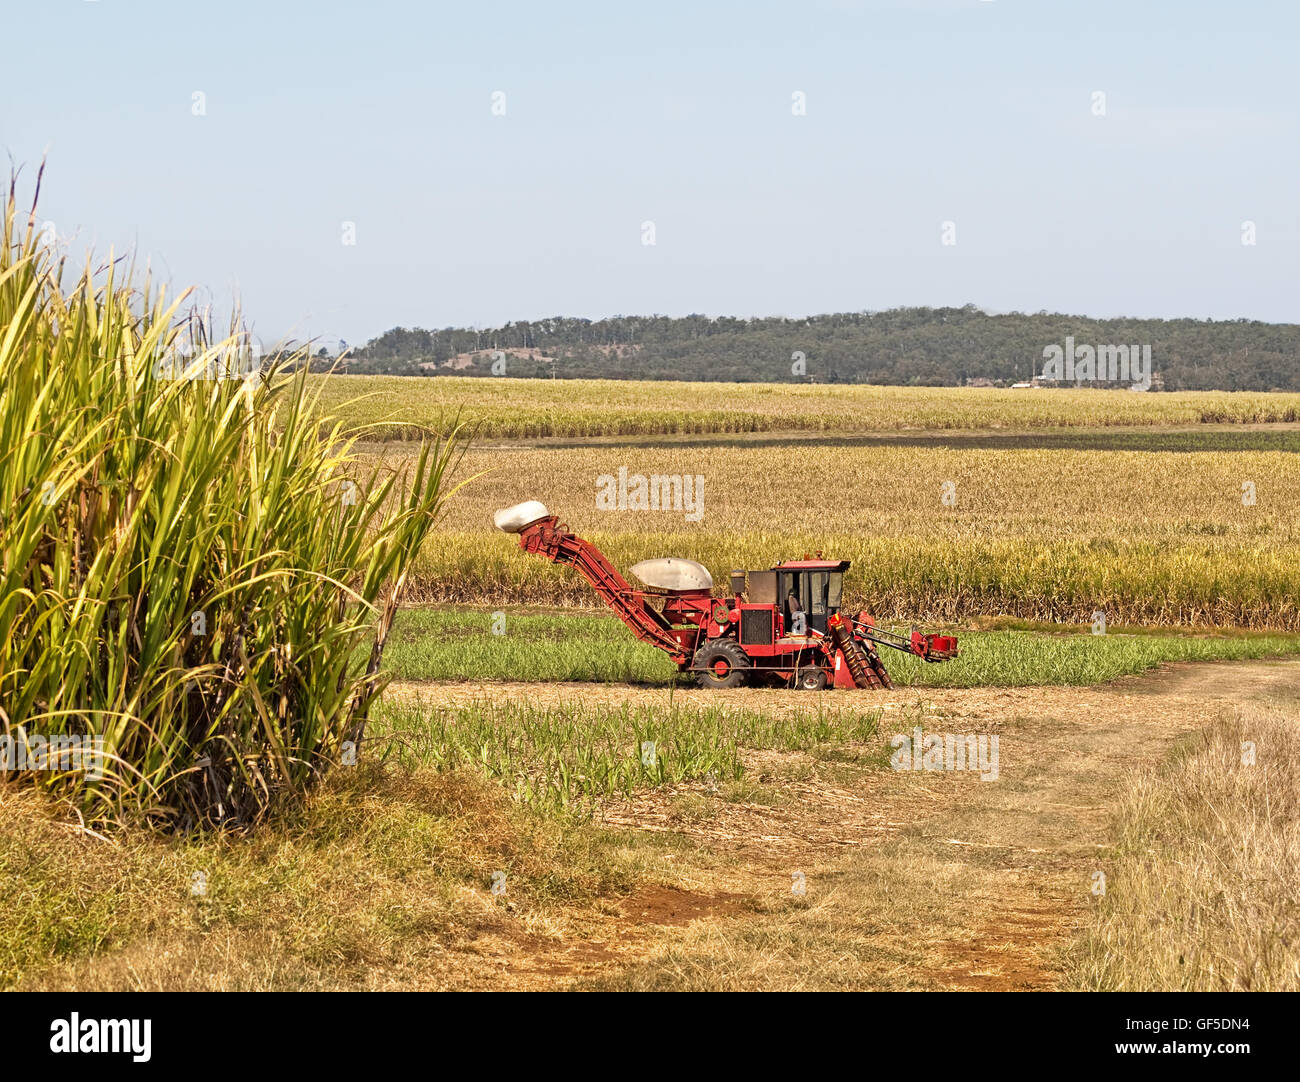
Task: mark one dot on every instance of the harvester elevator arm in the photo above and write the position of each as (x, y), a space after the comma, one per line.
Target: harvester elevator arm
(550, 538)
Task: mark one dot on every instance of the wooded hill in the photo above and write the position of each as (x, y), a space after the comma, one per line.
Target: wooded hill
(907, 346)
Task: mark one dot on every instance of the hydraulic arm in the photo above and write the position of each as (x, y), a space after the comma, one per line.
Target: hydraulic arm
(550, 538)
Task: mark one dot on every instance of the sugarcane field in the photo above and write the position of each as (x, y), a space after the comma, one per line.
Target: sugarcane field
(924, 618)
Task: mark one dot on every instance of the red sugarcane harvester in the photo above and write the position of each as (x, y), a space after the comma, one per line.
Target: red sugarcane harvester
(783, 625)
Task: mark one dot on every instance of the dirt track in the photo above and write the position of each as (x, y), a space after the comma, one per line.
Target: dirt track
(914, 880)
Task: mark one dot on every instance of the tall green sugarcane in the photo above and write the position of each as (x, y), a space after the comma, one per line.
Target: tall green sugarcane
(191, 564)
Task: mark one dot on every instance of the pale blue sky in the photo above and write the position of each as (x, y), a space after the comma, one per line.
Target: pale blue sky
(979, 113)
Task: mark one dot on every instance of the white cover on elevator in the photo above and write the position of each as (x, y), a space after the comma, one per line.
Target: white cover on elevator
(673, 573)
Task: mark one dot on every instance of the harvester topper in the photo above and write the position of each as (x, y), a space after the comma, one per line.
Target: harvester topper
(781, 625)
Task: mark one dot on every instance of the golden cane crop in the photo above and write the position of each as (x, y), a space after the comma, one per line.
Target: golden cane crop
(1051, 533)
(530, 408)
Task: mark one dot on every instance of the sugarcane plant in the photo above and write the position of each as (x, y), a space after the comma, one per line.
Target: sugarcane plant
(196, 573)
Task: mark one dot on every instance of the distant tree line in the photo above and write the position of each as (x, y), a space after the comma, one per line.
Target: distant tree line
(904, 346)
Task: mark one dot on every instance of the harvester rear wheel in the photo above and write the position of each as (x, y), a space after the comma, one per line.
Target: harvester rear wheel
(721, 664)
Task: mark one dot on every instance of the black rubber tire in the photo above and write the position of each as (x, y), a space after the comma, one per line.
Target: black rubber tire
(724, 655)
(811, 680)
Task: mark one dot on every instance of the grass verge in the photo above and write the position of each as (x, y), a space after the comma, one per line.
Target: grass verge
(383, 877)
(379, 874)
(1200, 888)
(573, 754)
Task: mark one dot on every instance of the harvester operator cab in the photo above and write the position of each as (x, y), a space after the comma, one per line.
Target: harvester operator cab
(810, 593)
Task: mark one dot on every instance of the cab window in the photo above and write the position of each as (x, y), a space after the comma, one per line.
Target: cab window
(833, 591)
(819, 581)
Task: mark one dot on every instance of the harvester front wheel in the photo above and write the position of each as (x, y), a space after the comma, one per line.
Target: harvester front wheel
(721, 665)
(811, 679)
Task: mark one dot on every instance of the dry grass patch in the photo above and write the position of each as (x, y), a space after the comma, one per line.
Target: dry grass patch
(1201, 893)
(381, 880)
